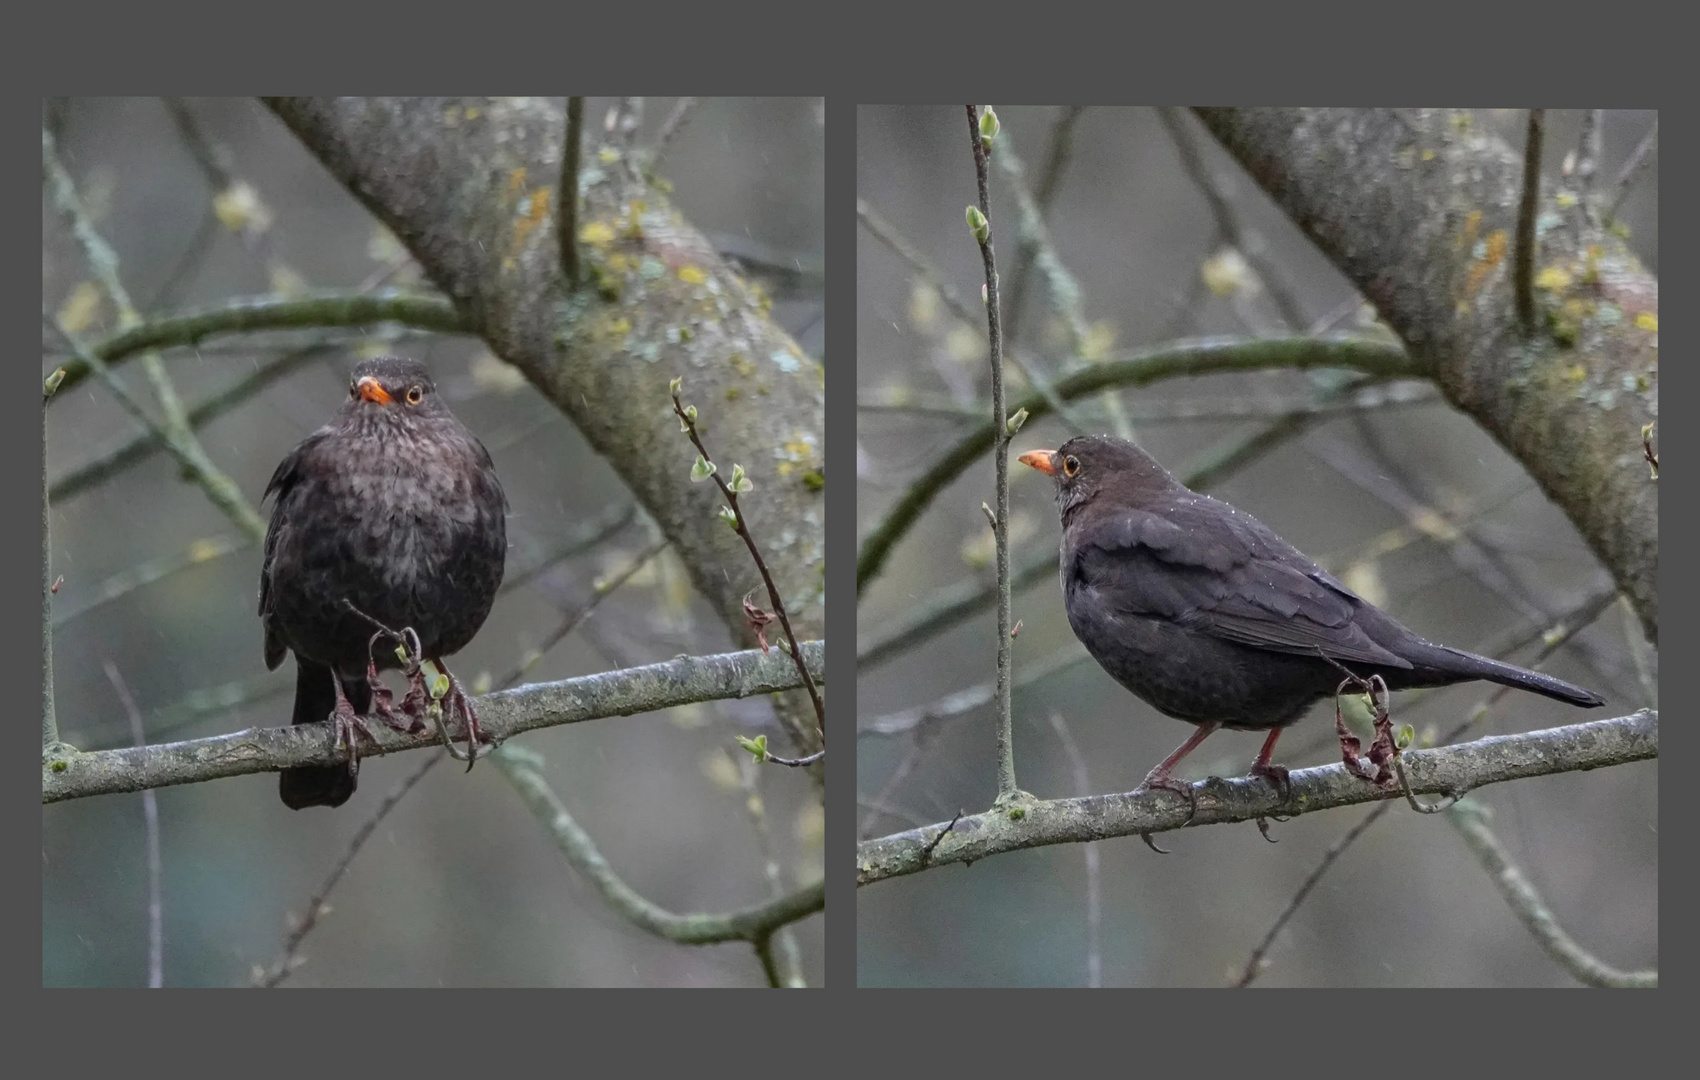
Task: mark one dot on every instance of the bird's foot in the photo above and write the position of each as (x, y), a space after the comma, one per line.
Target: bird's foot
(1279, 775)
(448, 701)
(350, 729)
(1161, 780)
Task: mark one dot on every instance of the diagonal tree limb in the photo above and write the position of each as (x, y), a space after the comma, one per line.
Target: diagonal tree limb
(1417, 209)
(468, 185)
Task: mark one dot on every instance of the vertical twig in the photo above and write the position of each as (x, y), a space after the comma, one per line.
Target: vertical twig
(570, 151)
(1050, 174)
(150, 816)
(1000, 459)
(1523, 268)
(1588, 163)
(786, 966)
(49, 719)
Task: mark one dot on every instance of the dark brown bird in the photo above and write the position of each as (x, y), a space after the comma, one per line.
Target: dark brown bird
(390, 513)
(1208, 616)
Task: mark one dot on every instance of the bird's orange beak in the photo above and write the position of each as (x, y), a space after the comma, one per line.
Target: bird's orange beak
(1039, 459)
(371, 390)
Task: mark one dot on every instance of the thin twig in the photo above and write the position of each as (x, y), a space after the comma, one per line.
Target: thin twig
(1588, 162)
(179, 442)
(1632, 170)
(570, 151)
(682, 110)
(49, 718)
(1470, 819)
(1094, 899)
(145, 444)
(288, 958)
(150, 818)
(1229, 232)
(903, 249)
(688, 421)
(1007, 786)
(1523, 266)
(1050, 175)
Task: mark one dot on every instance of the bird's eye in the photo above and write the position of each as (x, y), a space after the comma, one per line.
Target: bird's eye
(415, 395)
(1071, 465)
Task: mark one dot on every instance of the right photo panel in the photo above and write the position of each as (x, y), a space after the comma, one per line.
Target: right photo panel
(1257, 546)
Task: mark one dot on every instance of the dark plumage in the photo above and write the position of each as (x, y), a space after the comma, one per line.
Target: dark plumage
(395, 508)
(1207, 615)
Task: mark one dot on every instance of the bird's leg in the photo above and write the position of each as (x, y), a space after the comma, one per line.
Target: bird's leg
(1383, 749)
(1275, 774)
(1160, 778)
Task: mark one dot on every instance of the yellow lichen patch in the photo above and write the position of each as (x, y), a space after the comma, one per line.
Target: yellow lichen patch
(1428, 154)
(692, 274)
(742, 364)
(473, 112)
(1647, 321)
(596, 234)
(1493, 253)
(785, 468)
(607, 155)
(1553, 279)
(1472, 229)
(1575, 373)
(532, 212)
(1565, 199)
(516, 182)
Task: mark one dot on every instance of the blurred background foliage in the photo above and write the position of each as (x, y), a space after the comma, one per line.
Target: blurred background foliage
(205, 200)
(1405, 498)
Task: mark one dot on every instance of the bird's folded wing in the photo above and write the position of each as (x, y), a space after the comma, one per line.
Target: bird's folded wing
(1239, 584)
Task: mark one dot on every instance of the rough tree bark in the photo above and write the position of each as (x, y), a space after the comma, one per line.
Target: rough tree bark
(1419, 208)
(469, 185)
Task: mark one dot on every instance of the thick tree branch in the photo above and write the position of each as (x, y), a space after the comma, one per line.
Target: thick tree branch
(1418, 209)
(502, 715)
(469, 186)
(1449, 770)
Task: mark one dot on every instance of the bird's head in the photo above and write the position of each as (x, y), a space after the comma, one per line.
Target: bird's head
(1089, 468)
(392, 386)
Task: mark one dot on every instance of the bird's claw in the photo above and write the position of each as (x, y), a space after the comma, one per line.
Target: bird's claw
(1179, 787)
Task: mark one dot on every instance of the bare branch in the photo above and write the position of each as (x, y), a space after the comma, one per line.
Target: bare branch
(1523, 257)
(1447, 770)
(503, 715)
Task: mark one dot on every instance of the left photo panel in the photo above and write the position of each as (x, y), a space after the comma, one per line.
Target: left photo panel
(433, 542)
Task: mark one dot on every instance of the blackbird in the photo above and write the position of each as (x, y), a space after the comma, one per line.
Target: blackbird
(389, 527)
(1208, 616)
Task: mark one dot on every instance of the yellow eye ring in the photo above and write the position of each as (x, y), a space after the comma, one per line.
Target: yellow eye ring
(1071, 465)
(415, 395)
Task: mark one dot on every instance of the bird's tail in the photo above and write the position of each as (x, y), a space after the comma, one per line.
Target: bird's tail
(315, 698)
(1457, 662)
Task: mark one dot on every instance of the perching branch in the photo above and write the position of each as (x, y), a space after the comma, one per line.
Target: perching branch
(74, 775)
(1447, 770)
